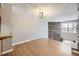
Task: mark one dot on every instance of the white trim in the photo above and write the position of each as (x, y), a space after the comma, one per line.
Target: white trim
(23, 41)
(7, 51)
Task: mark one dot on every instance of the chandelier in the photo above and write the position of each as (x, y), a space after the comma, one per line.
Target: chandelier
(42, 15)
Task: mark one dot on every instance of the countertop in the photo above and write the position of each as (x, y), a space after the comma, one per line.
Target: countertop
(5, 36)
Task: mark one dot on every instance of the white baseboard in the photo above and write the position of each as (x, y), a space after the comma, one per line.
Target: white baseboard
(23, 41)
(7, 51)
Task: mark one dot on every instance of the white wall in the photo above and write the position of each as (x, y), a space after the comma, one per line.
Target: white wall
(26, 26)
(70, 36)
(22, 24)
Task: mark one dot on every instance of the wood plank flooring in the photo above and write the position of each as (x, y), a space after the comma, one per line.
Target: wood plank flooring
(42, 47)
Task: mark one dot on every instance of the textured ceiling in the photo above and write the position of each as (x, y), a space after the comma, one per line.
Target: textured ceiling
(65, 6)
(53, 10)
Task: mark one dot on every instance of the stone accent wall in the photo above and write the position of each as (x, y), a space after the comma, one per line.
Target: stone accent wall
(54, 30)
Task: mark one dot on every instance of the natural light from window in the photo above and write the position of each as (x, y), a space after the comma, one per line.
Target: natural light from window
(69, 27)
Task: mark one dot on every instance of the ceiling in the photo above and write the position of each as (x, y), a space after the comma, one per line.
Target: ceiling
(55, 11)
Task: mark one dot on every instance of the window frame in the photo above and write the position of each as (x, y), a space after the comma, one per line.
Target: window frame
(71, 27)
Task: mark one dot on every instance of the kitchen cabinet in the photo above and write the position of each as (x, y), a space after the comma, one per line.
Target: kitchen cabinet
(5, 43)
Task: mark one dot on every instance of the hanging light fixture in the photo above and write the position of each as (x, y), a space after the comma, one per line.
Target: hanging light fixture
(42, 15)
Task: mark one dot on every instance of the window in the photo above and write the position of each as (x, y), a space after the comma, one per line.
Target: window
(68, 27)
(64, 27)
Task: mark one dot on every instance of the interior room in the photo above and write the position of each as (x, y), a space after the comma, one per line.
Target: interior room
(39, 29)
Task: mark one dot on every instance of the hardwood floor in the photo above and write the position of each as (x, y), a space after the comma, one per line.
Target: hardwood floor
(42, 47)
